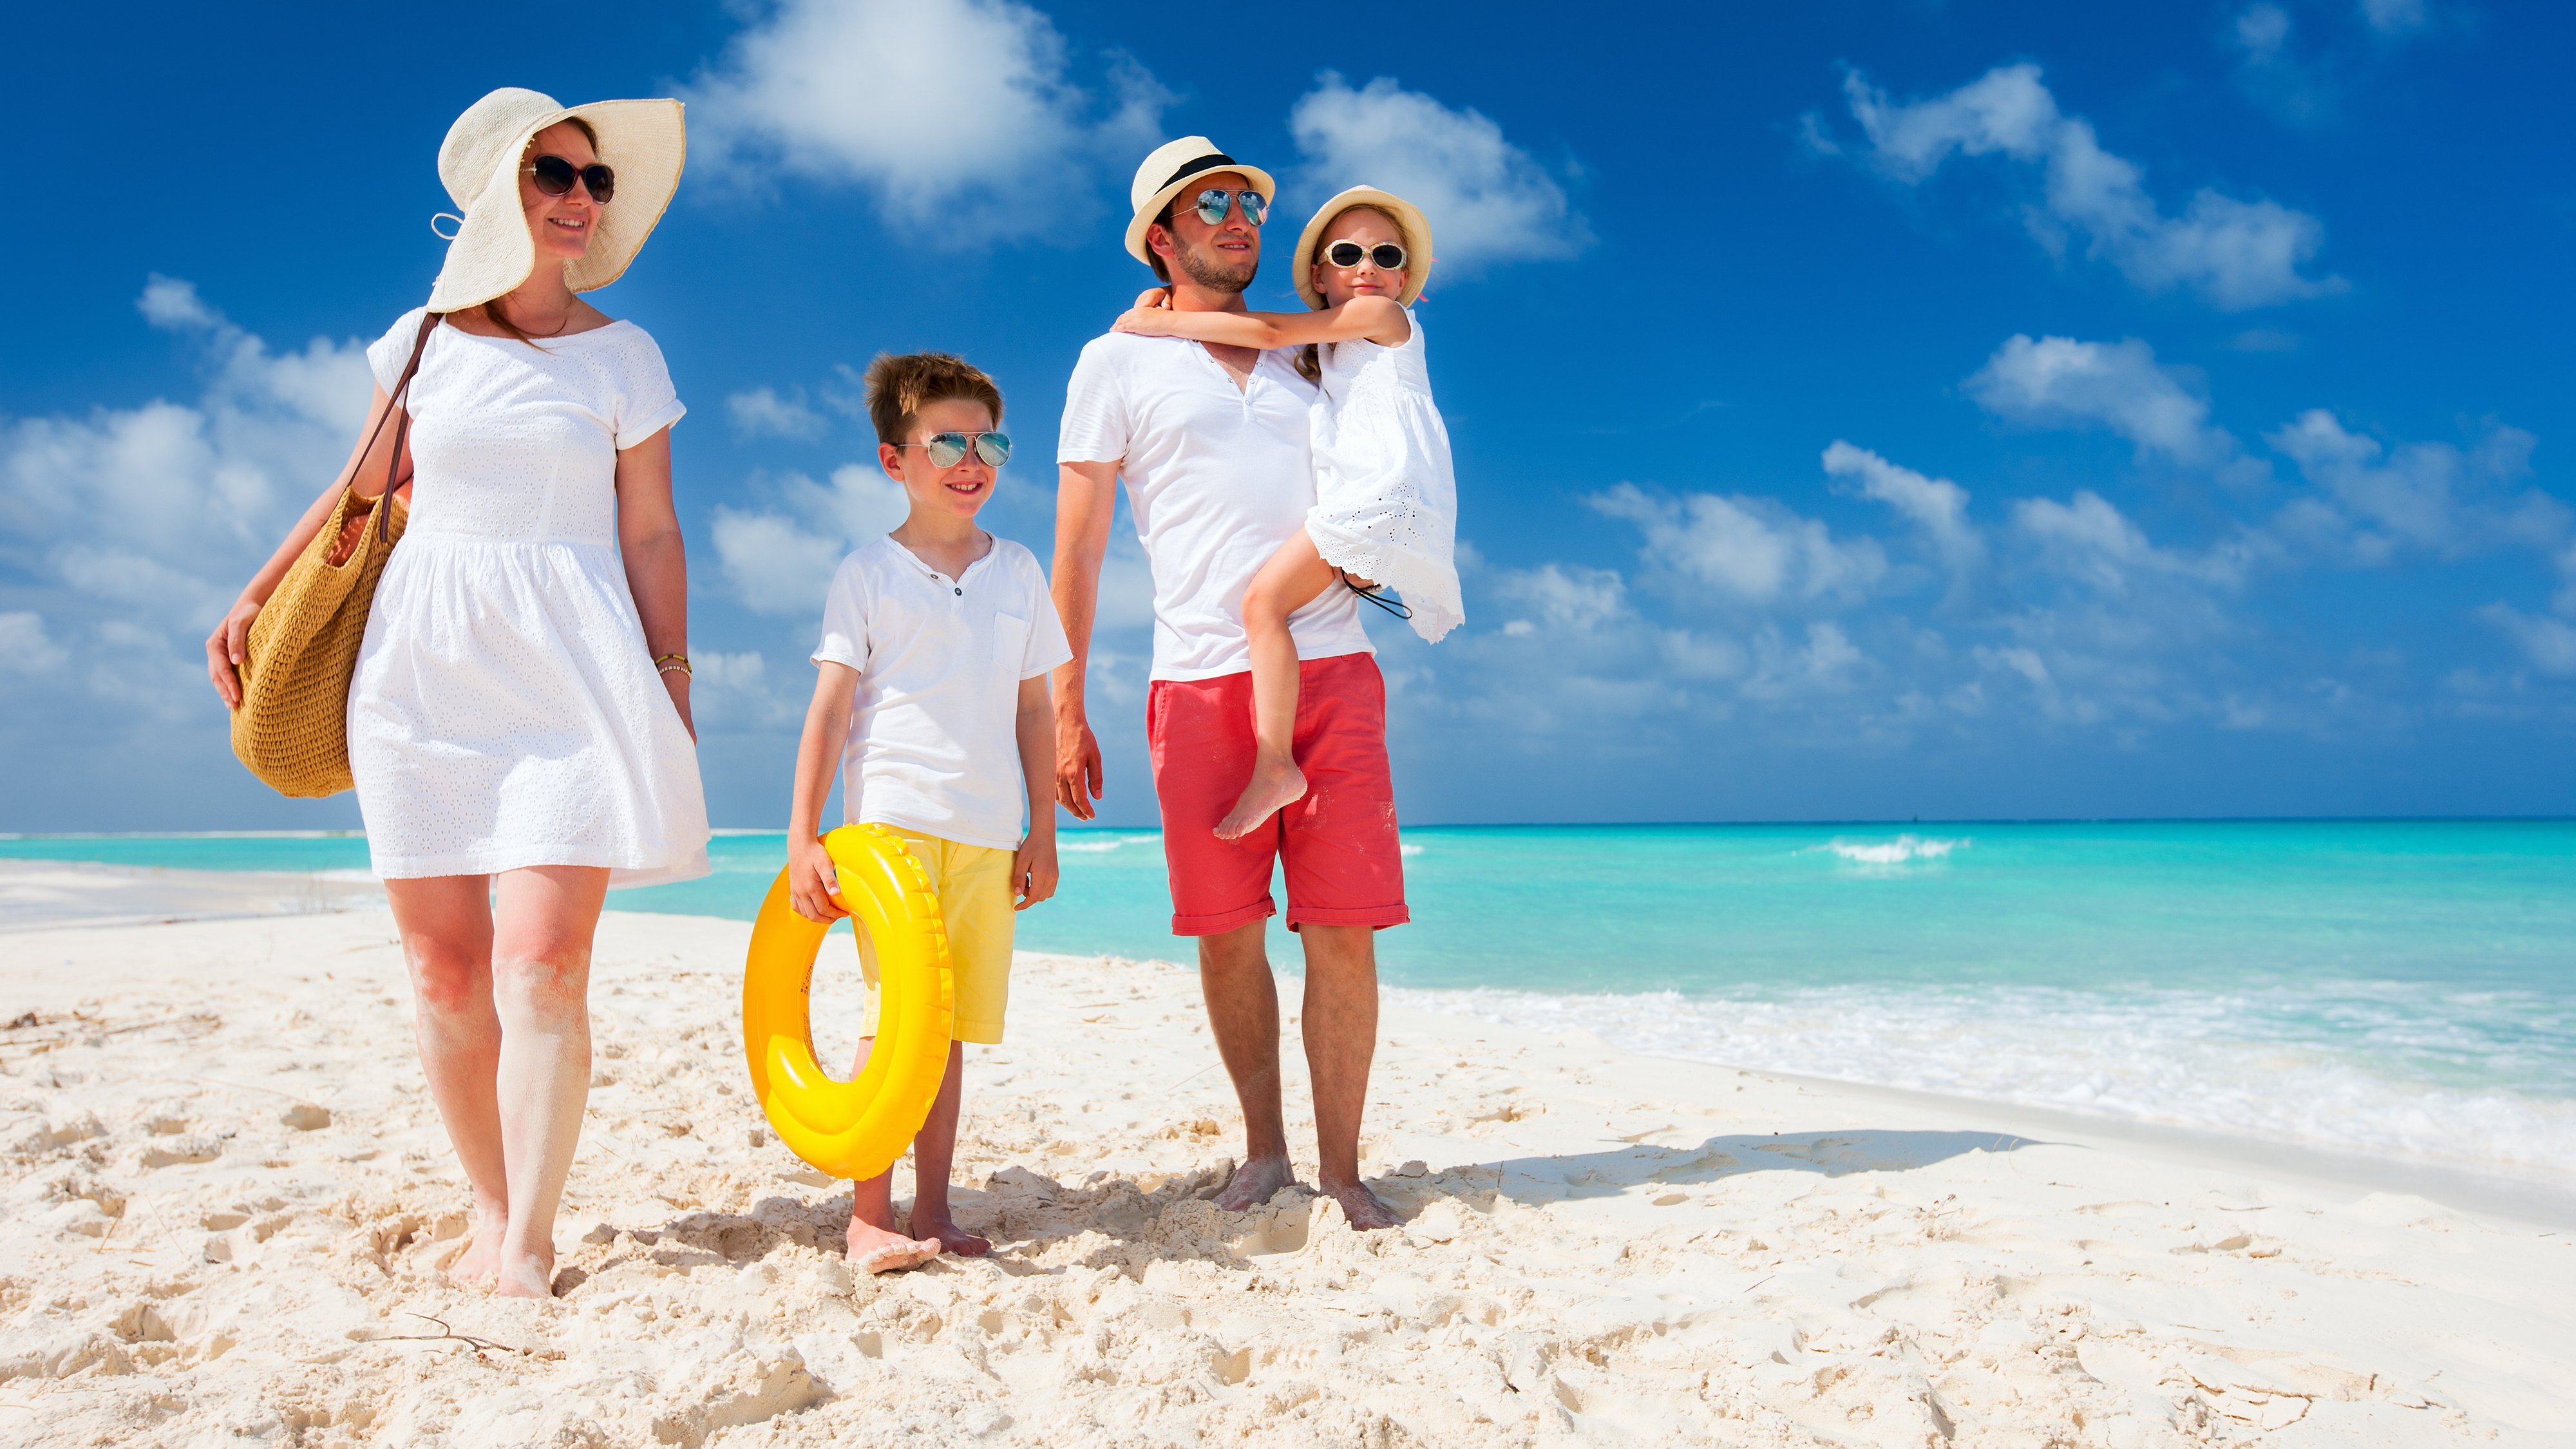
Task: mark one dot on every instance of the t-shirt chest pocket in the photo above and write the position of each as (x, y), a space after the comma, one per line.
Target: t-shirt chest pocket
(1010, 645)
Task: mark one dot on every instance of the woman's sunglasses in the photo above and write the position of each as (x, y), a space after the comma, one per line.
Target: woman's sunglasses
(555, 177)
(947, 450)
(1388, 256)
(1211, 205)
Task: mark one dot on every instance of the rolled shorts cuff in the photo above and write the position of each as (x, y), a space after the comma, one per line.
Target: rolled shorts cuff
(1379, 917)
(1224, 921)
(981, 1033)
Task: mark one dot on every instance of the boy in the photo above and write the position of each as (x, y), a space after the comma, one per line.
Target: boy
(932, 700)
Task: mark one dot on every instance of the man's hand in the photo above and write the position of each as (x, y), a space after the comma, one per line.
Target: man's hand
(1033, 872)
(1077, 761)
(812, 881)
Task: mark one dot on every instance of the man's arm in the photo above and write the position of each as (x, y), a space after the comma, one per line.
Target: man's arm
(1086, 498)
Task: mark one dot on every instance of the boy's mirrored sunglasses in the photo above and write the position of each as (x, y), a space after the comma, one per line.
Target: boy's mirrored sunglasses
(555, 177)
(947, 450)
(1211, 205)
(1388, 256)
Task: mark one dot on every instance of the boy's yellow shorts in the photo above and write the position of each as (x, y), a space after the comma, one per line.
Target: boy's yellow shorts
(975, 898)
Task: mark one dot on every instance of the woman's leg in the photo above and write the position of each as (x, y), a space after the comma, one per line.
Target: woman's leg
(446, 925)
(1290, 581)
(541, 990)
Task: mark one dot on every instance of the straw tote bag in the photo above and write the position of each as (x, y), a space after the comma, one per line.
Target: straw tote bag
(292, 729)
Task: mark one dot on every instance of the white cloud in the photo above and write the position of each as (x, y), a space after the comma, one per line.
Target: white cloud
(1487, 200)
(761, 412)
(1937, 506)
(2061, 382)
(25, 646)
(780, 562)
(2394, 17)
(2235, 254)
(963, 116)
(2373, 503)
(1753, 549)
(2550, 644)
(2090, 539)
(2262, 32)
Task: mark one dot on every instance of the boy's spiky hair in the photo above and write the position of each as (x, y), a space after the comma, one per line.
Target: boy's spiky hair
(899, 387)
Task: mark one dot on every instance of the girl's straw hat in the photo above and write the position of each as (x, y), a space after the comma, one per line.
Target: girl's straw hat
(1176, 164)
(491, 253)
(1408, 221)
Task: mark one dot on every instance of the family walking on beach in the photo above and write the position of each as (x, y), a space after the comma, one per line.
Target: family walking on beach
(516, 711)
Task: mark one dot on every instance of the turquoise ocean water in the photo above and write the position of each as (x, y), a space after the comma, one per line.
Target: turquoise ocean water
(2402, 988)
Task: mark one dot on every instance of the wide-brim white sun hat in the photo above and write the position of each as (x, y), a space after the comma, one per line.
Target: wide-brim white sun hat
(1173, 165)
(644, 142)
(1408, 220)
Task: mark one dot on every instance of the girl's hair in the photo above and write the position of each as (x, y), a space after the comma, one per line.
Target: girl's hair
(1310, 363)
(491, 310)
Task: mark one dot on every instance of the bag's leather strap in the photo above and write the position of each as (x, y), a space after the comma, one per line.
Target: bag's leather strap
(402, 430)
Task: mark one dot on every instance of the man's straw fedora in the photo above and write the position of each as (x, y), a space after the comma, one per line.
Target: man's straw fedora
(644, 142)
(1173, 165)
(1408, 220)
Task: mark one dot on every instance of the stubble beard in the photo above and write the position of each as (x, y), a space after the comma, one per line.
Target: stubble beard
(1202, 266)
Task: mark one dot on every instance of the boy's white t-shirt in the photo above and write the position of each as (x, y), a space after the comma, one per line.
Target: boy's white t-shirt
(1218, 477)
(933, 742)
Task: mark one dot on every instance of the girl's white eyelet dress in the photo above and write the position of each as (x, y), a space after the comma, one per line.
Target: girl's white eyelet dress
(1386, 498)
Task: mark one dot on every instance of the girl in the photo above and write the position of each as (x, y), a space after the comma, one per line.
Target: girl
(1386, 500)
(519, 719)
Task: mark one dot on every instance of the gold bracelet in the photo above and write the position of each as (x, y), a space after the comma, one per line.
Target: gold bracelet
(665, 663)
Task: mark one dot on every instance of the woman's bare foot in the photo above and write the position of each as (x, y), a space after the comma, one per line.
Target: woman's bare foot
(1276, 785)
(1359, 1204)
(531, 1275)
(479, 1266)
(951, 1238)
(1255, 1183)
(883, 1250)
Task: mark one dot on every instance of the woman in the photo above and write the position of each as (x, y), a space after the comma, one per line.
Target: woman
(519, 720)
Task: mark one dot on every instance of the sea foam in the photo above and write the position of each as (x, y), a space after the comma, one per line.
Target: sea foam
(1902, 850)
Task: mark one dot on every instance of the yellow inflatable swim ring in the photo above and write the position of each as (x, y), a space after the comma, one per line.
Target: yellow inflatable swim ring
(858, 1128)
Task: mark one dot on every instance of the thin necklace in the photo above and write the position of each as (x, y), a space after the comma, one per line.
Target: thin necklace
(559, 327)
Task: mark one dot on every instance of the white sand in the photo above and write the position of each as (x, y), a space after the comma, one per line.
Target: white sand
(228, 1198)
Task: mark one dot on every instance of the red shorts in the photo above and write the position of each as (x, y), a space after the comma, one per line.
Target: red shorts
(1338, 843)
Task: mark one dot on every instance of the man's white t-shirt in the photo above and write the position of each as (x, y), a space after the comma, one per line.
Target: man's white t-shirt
(933, 742)
(1218, 477)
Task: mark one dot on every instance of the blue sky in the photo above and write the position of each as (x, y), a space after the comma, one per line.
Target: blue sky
(1860, 410)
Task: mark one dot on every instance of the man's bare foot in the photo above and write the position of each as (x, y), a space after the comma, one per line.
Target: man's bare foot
(531, 1276)
(1255, 1183)
(479, 1266)
(1276, 785)
(951, 1237)
(883, 1250)
(1359, 1204)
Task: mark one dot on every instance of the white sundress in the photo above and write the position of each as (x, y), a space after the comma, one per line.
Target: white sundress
(505, 712)
(1386, 497)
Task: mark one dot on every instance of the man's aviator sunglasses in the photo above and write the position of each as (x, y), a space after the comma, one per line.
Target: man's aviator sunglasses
(555, 176)
(1388, 256)
(947, 450)
(1212, 203)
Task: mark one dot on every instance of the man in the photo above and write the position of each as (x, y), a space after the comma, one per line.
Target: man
(1212, 444)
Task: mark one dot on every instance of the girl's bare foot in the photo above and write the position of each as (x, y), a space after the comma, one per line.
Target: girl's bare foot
(1276, 785)
(479, 1266)
(532, 1275)
(951, 1238)
(882, 1250)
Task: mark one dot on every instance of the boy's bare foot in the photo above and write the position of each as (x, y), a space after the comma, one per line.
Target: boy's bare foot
(1255, 1183)
(1359, 1204)
(882, 1250)
(1276, 785)
(479, 1266)
(532, 1276)
(951, 1238)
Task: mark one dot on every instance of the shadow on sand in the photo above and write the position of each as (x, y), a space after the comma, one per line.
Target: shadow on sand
(1828, 1154)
